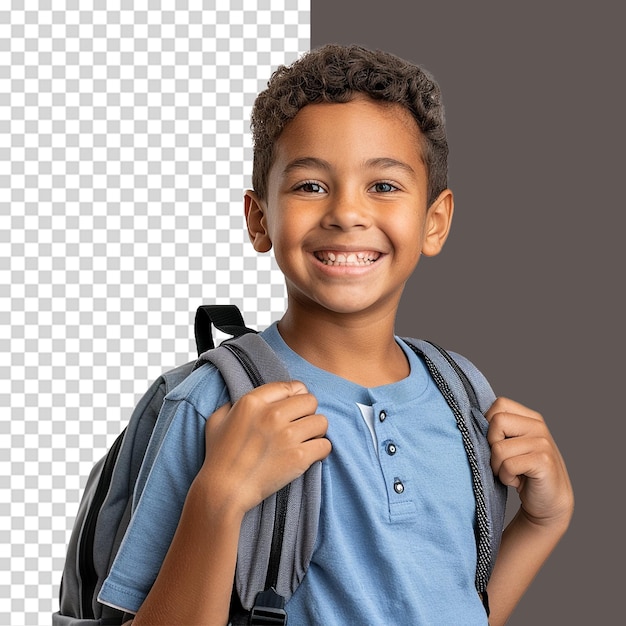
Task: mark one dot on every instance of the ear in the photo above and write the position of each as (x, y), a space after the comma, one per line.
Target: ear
(438, 222)
(256, 220)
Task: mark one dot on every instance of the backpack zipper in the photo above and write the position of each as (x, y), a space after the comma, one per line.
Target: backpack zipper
(484, 554)
(482, 518)
(87, 569)
(461, 374)
(246, 362)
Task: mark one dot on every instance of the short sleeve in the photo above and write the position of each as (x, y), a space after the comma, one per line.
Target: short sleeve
(179, 457)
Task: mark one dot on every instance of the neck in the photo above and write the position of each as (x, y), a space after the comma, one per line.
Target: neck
(357, 348)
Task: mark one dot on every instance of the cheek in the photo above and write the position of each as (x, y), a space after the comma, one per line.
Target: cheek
(285, 244)
(408, 245)
(287, 228)
(282, 239)
(406, 232)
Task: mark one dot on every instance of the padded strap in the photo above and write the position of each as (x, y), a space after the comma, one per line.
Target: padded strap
(245, 362)
(299, 512)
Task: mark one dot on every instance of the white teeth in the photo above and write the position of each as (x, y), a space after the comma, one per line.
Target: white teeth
(350, 258)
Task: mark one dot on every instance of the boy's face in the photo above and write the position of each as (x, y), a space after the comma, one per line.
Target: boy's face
(346, 209)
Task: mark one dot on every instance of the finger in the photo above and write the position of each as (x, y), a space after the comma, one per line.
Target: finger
(274, 395)
(531, 465)
(273, 408)
(504, 425)
(506, 405)
(505, 451)
(279, 390)
(308, 453)
(297, 461)
(308, 427)
(281, 413)
(317, 450)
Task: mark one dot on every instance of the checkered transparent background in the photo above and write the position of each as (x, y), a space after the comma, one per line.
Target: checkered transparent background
(124, 153)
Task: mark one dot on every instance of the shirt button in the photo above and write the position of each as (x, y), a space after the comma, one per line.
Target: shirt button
(398, 487)
(382, 416)
(391, 449)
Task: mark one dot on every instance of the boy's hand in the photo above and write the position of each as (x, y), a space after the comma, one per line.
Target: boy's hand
(524, 456)
(262, 442)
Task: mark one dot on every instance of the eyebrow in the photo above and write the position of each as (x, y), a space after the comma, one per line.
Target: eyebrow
(314, 162)
(305, 163)
(389, 163)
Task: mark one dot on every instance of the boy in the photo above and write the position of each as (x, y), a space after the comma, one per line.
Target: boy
(350, 188)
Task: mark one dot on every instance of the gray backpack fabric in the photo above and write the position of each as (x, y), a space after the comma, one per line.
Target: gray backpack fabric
(105, 508)
(278, 536)
(104, 512)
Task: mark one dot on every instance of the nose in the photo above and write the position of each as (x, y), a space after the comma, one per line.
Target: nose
(346, 211)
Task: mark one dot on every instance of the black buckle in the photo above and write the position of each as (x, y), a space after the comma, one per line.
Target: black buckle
(268, 609)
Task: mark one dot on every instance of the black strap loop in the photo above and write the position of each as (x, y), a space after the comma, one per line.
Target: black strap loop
(225, 317)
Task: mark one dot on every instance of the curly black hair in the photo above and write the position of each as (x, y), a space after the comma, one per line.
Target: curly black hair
(336, 73)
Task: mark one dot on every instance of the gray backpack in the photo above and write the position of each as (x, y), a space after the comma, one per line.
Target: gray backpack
(263, 583)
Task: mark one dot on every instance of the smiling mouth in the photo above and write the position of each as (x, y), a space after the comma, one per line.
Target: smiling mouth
(329, 257)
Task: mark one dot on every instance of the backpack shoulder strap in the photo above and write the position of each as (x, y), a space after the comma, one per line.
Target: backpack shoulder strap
(286, 523)
(469, 396)
(245, 362)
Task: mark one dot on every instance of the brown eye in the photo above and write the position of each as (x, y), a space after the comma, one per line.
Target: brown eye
(311, 187)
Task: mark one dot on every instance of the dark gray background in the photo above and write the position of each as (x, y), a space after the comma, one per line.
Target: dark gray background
(530, 284)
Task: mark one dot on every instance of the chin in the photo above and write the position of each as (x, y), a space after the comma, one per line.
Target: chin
(349, 307)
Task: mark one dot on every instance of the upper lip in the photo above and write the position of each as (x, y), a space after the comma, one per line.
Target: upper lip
(346, 249)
